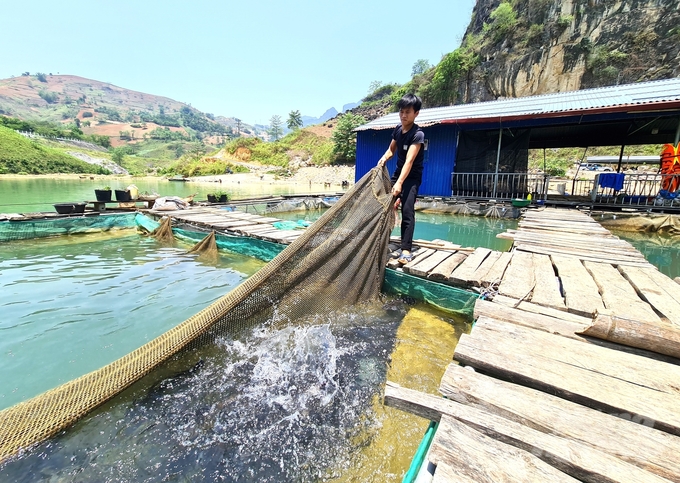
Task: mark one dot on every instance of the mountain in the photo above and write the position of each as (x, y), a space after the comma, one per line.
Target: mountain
(104, 109)
(349, 106)
(538, 47)
(329, 114)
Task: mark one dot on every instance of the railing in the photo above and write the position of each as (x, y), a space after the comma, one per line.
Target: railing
(641, 190)
(502, 186)
(631, 189)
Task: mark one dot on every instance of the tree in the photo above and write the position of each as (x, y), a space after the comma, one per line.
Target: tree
(374, 86)
(294, 120)
(41, 77)
(344, 137)
(420, 67)
(275, 127)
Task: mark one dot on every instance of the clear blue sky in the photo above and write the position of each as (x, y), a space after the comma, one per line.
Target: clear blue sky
(250, 59)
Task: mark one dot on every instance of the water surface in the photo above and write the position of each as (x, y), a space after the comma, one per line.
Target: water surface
(72, 304)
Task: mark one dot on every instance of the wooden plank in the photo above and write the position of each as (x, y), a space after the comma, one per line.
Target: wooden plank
(658, 296)
(657, 289)
(443, 271)
(634, 443)
(558, 240)
(428, 264)
(583, 254)
(618, 295)
(265, 219)
(232, 224)
(467, 456)
(282, 235)
(540, 309)
(580, 291)
(484, 268)
(418, 256)
(478, 427)
(518, 281)
(462, 275)
(554, 251)
(560, 323)
(612, 381)
(495, 273)
(547, 289)
(552, 325)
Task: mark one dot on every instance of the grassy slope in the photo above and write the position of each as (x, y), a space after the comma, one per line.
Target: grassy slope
(21, 155)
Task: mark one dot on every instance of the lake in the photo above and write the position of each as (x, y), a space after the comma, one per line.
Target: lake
(31, 194)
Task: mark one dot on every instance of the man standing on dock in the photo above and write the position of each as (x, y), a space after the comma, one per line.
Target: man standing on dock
(407, 141)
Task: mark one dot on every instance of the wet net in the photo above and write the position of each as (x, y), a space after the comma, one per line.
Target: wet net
(338, 261)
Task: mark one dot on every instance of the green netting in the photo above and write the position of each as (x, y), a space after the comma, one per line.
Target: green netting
(444, 297)
(41, 228)
(251, 247)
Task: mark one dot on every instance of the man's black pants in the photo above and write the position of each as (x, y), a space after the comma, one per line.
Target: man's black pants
(408, 195)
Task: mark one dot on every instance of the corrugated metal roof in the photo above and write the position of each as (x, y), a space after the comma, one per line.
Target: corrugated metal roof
(546, 105)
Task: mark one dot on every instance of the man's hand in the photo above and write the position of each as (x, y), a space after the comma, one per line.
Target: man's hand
(396, 188)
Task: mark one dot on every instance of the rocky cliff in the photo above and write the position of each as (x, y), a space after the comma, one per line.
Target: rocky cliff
(528, 47)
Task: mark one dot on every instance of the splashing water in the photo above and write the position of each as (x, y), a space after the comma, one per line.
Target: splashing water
(268, 405)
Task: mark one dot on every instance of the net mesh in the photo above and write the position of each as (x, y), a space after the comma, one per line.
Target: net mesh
(338, 261)
(41, 228)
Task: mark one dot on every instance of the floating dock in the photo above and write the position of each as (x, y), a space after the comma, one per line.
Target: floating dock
(529, 396)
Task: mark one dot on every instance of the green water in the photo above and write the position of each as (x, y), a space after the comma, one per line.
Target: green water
(660, 249)
(26, 195)
(467, 231)
(72, 304)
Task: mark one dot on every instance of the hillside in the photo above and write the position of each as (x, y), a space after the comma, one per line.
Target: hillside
(521, 48)
(21, 155)
(105, 109)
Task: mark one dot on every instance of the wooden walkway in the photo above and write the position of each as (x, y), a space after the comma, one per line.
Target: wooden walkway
(530, 398)
(561, 260)
(232, 222)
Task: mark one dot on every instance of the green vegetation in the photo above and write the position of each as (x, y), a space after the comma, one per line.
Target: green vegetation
(503, 21)
(49, 129)
(49, 97)
(294, 120)
(21, 155)
(558, 161)
(420, 67)
(276, 127)
(344, 137)
(299, 143)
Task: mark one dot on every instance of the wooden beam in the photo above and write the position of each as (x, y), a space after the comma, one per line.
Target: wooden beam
(618, 295)
(612, 381)
(658, 336)
(470, 437)
(634, 443)
(547, 289)
(580, 291)
(518, 281)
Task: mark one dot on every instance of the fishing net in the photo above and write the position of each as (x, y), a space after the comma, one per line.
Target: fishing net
(163, 233)
(206, 248)
(338, 261)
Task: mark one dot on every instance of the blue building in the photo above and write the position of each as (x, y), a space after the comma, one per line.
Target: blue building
(494, 137)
